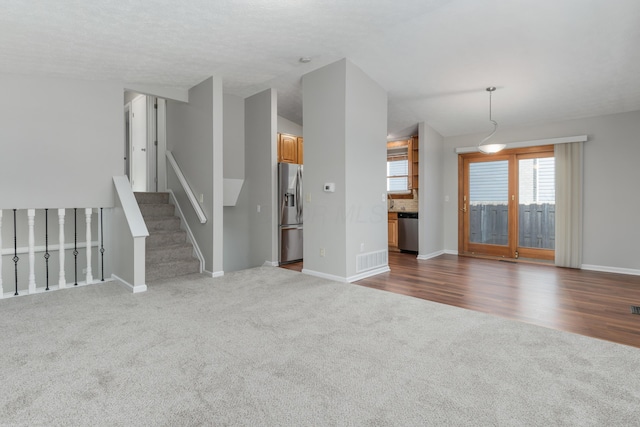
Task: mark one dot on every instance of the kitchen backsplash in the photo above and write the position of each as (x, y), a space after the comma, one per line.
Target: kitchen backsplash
(404, 205)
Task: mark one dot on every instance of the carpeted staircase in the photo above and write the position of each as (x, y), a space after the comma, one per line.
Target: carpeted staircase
(169, 253)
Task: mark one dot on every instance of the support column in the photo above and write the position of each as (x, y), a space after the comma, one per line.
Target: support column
(345, 137)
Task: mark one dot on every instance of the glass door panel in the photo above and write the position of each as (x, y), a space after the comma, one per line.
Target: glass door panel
(489, 203)
(536, 207)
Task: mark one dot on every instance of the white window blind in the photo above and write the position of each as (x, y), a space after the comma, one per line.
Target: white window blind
(398, 175)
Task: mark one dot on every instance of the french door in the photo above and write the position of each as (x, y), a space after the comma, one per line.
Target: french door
(507, 203)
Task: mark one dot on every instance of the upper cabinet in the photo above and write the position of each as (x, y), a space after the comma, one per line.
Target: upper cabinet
(415, 167)
(290, 148)
(300, 151)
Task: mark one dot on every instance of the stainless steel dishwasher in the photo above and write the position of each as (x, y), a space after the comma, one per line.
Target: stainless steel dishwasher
(408, 231)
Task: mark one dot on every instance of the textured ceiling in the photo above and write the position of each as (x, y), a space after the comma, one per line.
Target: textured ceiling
(550, 59)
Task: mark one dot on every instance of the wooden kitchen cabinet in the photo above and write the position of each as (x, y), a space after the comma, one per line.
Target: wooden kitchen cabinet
(287, 148)
(300, 151)
(393, 230)
(290, 149)
(415, 162)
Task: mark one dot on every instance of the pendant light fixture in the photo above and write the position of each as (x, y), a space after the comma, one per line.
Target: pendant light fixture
(483, 147)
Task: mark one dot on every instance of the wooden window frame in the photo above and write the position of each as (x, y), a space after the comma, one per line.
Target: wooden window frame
(410, 161)
(500, 251)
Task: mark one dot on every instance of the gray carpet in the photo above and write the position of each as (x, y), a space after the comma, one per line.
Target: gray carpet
(269, 346)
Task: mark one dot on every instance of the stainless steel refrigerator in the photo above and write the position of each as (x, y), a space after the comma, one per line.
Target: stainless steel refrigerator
(290, 211)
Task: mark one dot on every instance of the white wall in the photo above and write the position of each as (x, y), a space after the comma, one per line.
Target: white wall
(194, 136)
(130, 96)
(287, 126)
(324, 111)
(366, 163)
(237, 243)
(62, 142)
(260, 175)
(430, 189)
(345, 143)
(611, 176)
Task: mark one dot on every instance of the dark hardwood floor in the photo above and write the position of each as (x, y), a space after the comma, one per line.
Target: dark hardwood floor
(589, 303)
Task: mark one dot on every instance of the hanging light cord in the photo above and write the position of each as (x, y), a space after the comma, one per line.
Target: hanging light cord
(495, 124)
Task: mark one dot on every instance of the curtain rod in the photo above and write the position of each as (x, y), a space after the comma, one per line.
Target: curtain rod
(532, 143)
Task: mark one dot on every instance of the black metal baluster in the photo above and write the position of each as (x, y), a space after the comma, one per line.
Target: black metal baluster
(102, 242)
(46, 245)
(15, 249)
(75, 242)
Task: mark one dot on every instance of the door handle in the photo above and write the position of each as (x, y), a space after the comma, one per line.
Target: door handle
(464, 208)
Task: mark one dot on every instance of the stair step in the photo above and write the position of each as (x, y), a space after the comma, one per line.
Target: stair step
(165, 238)
(159, 255)
(162, 224)
(155, 198)
(172, 269)
(151, 210)
(168, 252)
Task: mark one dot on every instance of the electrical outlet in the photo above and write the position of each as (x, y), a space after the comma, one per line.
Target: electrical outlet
(361, 247)
(258, 208)
(84, 271)
(322, 252)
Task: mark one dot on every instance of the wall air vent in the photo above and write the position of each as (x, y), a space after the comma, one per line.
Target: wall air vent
(635, 309)
(372, 260)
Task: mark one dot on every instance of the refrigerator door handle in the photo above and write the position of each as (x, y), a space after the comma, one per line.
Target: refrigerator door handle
(282, 206)
(299, 195)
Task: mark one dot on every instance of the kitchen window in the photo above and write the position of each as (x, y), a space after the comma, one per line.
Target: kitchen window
(397, 174)
(399, 167)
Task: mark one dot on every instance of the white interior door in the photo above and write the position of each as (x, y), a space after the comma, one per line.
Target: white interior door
(139, 144)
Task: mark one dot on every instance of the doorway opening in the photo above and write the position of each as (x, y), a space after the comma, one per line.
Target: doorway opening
(145, 141)
(507, 204)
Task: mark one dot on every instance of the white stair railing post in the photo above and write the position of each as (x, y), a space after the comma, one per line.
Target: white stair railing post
(62, 281)
(31, 220)
(1, 290)
(87, 214)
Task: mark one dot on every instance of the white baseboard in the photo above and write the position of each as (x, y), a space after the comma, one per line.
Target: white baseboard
(325, 275)
(271, 264)
(431, 255)
(450, 252)
(135, 289)
(350, 279)
(606, 269)
(369, 273)
(41, 289)
(214, 273)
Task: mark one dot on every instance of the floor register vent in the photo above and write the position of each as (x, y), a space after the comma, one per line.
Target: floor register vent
(371, 260)
(635, 309)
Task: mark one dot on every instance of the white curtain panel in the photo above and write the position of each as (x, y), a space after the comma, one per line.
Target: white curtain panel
(569, 162)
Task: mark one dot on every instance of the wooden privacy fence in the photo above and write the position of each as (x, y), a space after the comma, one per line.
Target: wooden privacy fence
(488, 224)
